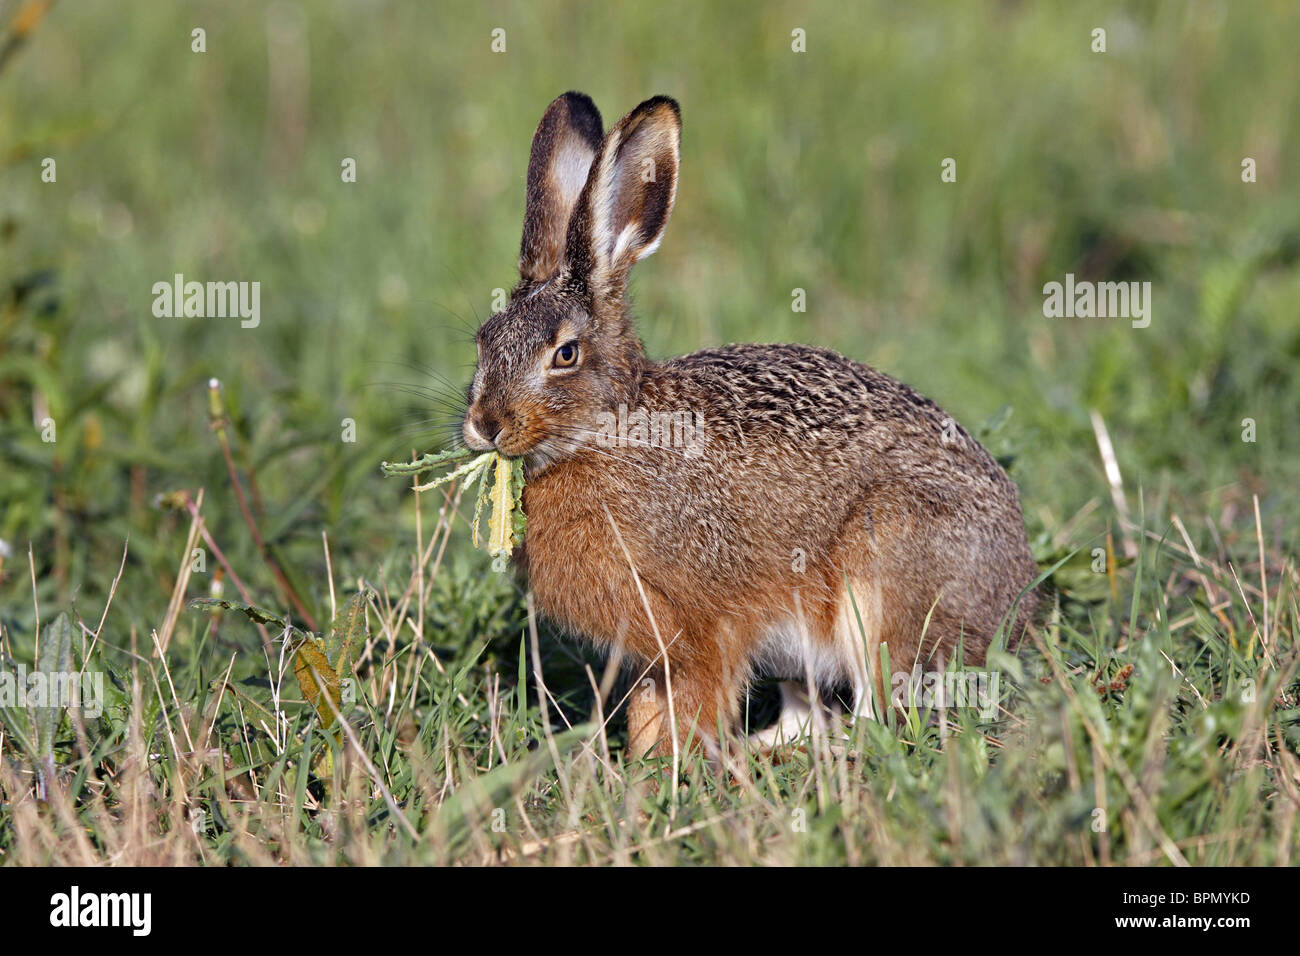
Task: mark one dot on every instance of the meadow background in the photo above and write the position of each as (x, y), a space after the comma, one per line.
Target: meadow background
(1163, 695)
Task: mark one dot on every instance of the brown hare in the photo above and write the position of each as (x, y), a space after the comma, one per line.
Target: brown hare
(793, 511)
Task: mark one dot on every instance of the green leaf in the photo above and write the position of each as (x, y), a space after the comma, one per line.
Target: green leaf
(331, 660)
(517, 493)
(310, 662)
(54, 664)
(346, 634)
(480, 502)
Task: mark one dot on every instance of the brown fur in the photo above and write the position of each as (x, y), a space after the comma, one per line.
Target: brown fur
(814, 471)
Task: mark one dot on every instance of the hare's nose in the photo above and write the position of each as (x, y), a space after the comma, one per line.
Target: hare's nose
(481, 431)
(488, 427)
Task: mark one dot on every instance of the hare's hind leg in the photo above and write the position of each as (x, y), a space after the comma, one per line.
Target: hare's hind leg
(818, 647)
(857, 638)
(801, 715)
(794, 722)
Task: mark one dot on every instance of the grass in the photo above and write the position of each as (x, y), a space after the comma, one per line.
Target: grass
(1157, 721)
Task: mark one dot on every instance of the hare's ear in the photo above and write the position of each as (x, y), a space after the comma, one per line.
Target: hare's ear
(567, 140)
(628, 197)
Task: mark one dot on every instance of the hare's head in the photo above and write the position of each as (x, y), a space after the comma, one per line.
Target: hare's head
(564, 347)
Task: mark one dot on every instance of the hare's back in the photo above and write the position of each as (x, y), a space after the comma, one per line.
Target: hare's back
(800, 401)
(821, 451)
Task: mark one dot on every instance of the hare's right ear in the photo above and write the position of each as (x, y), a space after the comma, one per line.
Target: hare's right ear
(567, 140)
(628, 198)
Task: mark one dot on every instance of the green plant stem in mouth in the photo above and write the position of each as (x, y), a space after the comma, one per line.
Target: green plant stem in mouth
(505, 493)
(425, 463)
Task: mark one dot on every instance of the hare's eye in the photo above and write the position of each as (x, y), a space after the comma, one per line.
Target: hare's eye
(566, 356)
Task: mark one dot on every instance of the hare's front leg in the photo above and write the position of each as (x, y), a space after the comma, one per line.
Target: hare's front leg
(645, 714)
(697, 699)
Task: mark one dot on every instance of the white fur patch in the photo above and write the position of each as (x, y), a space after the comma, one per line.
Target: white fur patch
(569, 168)
(797, 717)
(624, 240)
(788, 651)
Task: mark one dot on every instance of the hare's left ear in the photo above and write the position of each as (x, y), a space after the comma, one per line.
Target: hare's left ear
(628, 198)
(567, 140)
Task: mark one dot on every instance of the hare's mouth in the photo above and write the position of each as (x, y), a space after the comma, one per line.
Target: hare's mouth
(517, 440)
(546, 451)
(508, 434)
(539, 442)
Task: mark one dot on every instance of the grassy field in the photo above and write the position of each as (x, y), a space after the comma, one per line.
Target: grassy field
(1156, 720)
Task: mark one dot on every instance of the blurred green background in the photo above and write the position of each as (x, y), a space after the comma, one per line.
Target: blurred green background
(817, 170)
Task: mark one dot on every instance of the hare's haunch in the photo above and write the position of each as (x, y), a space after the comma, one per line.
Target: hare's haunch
(753, 510)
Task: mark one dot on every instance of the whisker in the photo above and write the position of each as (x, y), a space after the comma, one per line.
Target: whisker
(413, 366)
(607, 453)
(436, 387)
(427, 394)
(413, 431)
(427, 371)
(460, 284)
